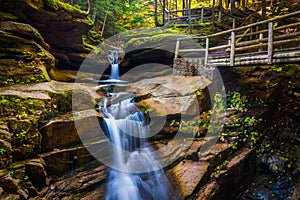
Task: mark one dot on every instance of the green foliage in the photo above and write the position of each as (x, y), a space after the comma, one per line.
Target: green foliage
(237, 101)
(25, 135)
(18, 107)
(2, 151)
(119, 15)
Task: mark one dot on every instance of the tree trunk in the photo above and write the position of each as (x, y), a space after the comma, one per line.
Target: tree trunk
(88, 6)
(213, 10)
(243, 4)
(155, 13)
(189, 14)
(263, 9)
(232, 7)
(164, 12)
(227, 4)
(220, 6)
(183, 7)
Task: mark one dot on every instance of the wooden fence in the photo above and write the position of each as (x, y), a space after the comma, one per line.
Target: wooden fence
(202, 15)
(275, 40)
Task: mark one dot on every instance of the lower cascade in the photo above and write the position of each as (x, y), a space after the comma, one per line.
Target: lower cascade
(135, 172)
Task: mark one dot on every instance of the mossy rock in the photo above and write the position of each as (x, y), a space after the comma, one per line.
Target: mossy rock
(19, 108)
(26, 139)
(60, 24)
(15, 47)
(25, 31)
(14, 73)
(91, 40)
(59, 6)
(7, 16)
(23, 61)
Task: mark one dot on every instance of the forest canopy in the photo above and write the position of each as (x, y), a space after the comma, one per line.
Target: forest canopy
(113, 16)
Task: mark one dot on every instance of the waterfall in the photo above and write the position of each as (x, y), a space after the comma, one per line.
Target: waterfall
(135, 173)
(114, 75)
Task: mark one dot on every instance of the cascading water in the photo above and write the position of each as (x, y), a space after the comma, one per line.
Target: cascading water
(135, 173)
(113, 58)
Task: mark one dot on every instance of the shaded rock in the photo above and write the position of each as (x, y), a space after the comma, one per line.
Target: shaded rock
(75, 186)
(60, 24)
(9, 184)
(10, 197)
(35, 169)
(237, 174)
(25, 31)
(23, 57)
(67, 131)
(4, 132)
(207, 191)
(269, 187)
(5, 153)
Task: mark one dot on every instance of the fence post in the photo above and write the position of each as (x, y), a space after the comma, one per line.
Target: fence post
(251, 29)
(260, 41)
(220, 16)
(233, 23)
(270, 43)
(232, 48)
(206, 51)
(202, 15)
(177, 48)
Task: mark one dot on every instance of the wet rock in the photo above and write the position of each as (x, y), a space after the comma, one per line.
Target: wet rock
(269, 187)
(274, 163)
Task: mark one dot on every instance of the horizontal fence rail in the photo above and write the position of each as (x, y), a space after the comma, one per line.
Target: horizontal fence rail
(275, 40)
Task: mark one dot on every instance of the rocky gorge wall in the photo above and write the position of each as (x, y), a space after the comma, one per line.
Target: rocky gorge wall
(38, 38)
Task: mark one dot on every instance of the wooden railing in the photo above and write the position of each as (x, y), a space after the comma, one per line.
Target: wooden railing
(275, 40)
(203, 14)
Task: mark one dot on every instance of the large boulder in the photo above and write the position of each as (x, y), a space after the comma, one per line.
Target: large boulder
(170, 95)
